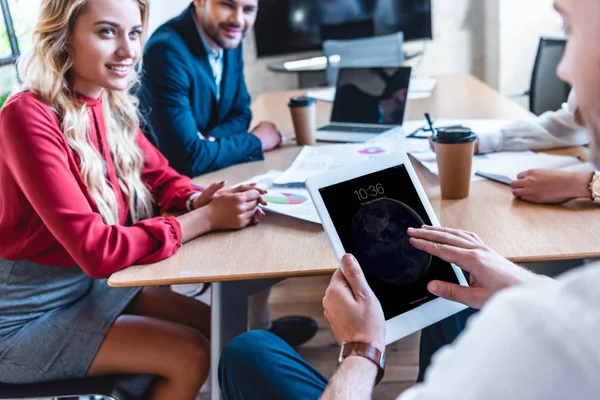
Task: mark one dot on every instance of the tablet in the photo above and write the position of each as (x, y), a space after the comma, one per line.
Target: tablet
(366, 210)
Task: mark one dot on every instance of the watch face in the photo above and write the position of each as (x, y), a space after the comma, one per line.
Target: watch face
(596, 187)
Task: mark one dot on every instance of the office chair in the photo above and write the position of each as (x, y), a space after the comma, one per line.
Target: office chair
(379, 51)
(547, 92)
(107, 387)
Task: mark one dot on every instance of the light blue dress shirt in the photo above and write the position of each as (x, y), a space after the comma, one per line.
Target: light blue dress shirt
(215, 59)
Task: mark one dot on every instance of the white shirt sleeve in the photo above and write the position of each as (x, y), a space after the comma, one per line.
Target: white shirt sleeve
(532, 343)
(550, 130)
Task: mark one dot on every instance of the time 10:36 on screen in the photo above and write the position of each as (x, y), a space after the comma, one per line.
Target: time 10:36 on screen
(369, 192)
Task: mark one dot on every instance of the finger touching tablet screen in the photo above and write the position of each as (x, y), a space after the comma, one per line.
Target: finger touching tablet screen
(366, 210)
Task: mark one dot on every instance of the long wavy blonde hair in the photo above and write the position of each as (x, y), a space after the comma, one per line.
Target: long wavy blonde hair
(45, 70)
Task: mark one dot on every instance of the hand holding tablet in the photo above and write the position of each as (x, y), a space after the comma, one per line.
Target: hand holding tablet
(349, 302)
(366, 210)
(379, 212)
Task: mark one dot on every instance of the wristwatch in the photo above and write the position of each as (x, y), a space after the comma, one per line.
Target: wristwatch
(595, 186)
(367, 351)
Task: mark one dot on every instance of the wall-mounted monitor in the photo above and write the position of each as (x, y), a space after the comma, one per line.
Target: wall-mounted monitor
(292, 26)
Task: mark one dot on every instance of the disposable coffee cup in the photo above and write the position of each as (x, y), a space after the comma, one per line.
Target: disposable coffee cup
(304, 118)
(454, 148)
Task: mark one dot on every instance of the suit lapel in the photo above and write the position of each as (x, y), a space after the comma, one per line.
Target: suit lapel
(189, 31)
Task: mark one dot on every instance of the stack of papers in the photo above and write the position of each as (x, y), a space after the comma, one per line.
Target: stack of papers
(506, 173)
(293, 202)
(504, 166)
(313, 160)
(420, 88)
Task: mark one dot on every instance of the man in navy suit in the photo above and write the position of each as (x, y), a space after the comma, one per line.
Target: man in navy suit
(194, 95)
(197, 110)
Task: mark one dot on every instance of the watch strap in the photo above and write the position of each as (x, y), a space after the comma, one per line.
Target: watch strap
(367, 351)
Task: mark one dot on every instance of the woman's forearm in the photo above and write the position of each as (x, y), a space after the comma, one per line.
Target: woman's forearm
(194, 224)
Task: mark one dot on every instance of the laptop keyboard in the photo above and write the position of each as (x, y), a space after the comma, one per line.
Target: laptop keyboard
(358, 129)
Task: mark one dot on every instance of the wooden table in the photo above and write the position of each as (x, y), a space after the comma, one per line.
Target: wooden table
(282, 247)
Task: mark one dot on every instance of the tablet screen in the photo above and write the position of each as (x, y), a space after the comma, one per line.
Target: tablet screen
(371, 215)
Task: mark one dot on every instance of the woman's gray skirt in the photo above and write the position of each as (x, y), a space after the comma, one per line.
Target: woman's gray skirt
(53, 320)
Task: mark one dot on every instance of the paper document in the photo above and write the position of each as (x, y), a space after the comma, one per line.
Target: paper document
(293, 202)
(587, 167)
(503, 166)
(419, 88)
(327, 95)
(508, 171)
(422, 84)
(398, 140)
(313, 160)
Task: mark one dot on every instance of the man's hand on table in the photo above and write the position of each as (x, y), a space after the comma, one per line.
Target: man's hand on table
(269, 135)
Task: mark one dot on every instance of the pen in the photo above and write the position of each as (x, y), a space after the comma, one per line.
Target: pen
(428, 118)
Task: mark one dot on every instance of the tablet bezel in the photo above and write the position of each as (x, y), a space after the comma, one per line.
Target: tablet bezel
(424, 315)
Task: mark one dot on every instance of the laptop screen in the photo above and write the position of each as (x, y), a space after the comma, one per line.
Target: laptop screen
(371, 95)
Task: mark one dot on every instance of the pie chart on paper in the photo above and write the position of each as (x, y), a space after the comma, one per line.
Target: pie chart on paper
(285, 198)
(371, 151)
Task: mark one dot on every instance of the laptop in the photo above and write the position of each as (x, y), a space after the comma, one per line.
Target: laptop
(368, 102)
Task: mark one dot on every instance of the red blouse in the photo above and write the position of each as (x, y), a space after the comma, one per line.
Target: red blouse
(48, 216)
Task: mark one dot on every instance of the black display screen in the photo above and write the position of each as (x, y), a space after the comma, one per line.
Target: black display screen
(371, 215)
(371, 95)
(289, 26)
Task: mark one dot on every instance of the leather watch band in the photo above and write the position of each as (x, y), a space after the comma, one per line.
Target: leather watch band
(367, 351)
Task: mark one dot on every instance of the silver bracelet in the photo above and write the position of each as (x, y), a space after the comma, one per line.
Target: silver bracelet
(188, 202)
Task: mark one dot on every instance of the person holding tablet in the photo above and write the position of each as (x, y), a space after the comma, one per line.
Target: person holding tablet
(81, 191)
(535, 338)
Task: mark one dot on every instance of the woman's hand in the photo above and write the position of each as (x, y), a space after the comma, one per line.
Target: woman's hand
(207, 195)
(490, 272)
(235, 208)
(219, 188)
(551, 187)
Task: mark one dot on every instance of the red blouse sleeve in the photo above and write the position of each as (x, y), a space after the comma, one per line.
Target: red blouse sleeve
(170, 189)
(37, 155)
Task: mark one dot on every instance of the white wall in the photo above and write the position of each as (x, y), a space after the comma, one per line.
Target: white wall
(521, 24)
(163, 10)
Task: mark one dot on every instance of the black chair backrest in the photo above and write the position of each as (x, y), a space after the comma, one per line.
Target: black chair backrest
(547, 92)
(348, 30)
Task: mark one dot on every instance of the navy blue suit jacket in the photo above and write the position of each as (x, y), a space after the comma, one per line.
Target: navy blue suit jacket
(178, 100)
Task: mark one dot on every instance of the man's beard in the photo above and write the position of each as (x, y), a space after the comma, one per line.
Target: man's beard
(212, 31)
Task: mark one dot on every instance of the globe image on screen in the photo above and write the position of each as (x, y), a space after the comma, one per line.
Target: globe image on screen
(381, 243)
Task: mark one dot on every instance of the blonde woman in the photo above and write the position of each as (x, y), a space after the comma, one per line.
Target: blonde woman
(80, 186)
